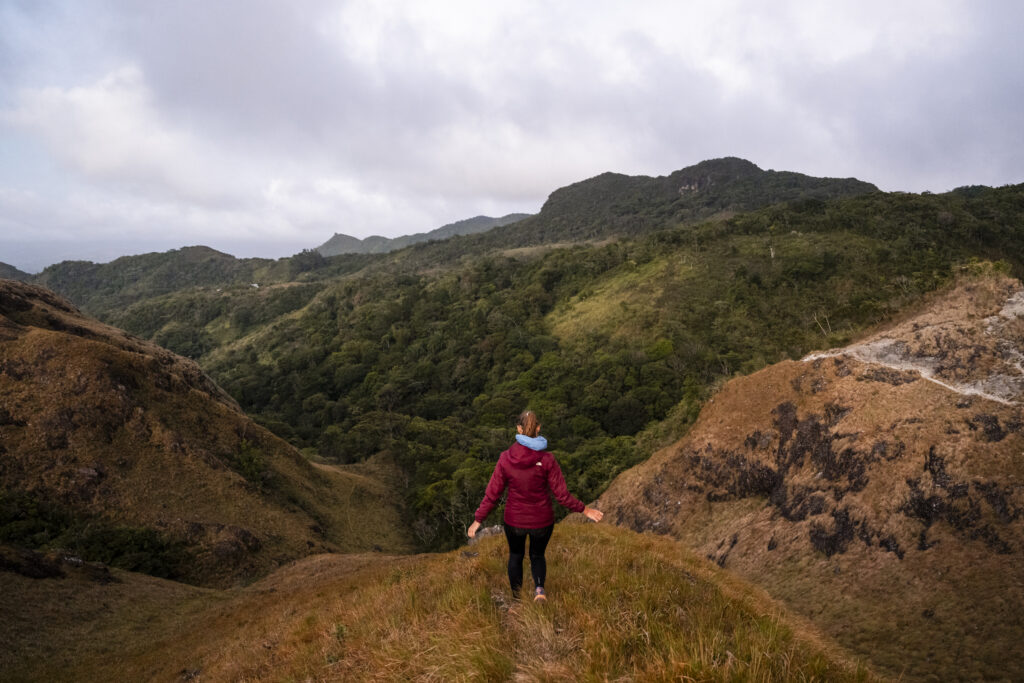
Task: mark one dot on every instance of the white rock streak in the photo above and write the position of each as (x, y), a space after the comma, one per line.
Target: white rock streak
(1006, 386)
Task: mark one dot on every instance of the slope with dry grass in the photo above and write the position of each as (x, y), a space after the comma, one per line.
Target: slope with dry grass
(877, 489)
(621, 606)
(114, 449)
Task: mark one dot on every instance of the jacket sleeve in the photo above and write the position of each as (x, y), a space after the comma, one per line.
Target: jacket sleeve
(556, 482)
(495, 487)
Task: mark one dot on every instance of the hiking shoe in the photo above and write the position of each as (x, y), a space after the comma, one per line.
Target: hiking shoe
(538, 595)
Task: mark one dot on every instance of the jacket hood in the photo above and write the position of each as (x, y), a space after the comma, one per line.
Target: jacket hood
(521, 456)
(535, 443)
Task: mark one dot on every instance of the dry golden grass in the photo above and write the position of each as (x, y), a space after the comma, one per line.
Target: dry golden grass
(113, 427)
(622, 606)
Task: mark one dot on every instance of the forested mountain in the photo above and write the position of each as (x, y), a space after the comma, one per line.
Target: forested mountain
(345, 244)
(614, 205)
(605, 207)
(103, 288)
(616, 345)
(427, 353)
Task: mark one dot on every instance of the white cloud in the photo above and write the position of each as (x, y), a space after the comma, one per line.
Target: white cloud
(110, 131)
(240, 122)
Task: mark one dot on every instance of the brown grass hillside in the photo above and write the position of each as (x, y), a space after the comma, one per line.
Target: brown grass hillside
(622, 607)
(114, 449)
(877, 489)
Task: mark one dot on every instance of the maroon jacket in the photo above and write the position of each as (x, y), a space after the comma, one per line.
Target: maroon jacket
(529, 475)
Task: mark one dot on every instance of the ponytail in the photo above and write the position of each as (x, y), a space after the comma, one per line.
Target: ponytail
(529, 422)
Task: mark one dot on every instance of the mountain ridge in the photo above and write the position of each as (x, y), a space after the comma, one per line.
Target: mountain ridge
(612, 204)
(376, 244)
(640, 608)
(9, 272)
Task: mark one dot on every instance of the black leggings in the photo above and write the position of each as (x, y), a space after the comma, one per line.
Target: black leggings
(517, 549)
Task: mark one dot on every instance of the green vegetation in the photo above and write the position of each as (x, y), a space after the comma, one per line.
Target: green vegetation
(616, 345)
(429, 353)
(29, 522)
(614, 205)
(108, 288)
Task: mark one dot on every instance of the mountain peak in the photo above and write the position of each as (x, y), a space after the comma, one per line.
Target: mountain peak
(616, 205)
(703, 176)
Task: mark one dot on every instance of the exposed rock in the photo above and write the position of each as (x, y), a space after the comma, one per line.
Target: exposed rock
(482, 532)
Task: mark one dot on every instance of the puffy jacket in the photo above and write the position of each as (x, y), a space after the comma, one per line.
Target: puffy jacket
(529, 475)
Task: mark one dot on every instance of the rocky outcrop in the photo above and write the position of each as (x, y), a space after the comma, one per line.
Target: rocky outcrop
(878, 484)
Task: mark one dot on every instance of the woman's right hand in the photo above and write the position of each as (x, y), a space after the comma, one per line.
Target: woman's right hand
(471, 531)
(592, 513)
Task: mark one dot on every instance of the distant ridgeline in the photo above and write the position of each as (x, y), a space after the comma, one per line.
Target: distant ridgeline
(375, 244)
(614, 312)
(9, 272)
(614, 204)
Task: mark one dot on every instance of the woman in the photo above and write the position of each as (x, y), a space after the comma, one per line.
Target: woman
(529, 472)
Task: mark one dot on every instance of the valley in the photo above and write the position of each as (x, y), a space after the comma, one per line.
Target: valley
(797, 400)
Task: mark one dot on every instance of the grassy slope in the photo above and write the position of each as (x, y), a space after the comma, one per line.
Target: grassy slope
(118, 432)
(622, 605)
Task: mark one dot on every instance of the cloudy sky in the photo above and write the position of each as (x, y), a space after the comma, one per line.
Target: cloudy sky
(262, 127)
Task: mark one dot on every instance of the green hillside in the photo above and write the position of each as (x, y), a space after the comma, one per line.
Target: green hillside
(615, 345)
(105, 289)
(614, 313)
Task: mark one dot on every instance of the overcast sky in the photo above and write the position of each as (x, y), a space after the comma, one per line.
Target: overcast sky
(261, 128)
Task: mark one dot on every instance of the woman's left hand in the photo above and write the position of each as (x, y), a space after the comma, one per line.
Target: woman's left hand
(471, 531)
(592, 513)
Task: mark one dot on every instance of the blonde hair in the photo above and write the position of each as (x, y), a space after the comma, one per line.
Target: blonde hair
(529, 423)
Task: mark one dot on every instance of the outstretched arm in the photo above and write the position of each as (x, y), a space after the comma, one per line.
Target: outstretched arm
(495, 487)
(556, 482)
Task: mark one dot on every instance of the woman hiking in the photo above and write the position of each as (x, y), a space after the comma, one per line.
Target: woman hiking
(529, 472)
